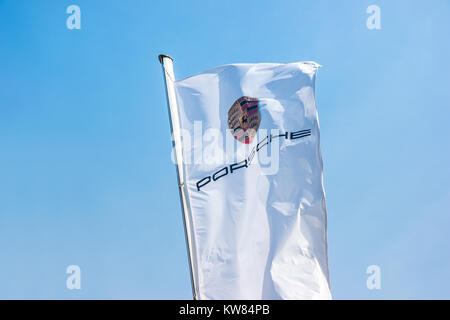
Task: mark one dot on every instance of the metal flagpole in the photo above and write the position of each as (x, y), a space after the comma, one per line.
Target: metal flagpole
(169, 77)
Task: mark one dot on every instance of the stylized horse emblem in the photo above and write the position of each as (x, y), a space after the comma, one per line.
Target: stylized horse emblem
(244, 119)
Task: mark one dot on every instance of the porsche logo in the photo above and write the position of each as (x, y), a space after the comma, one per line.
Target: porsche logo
(244, 119)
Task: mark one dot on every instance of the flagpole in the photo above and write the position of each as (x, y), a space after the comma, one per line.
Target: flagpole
(169, 78)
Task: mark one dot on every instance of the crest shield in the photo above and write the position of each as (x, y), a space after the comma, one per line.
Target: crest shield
(244, 119)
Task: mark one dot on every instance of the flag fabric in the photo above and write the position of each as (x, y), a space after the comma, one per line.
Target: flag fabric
(253, 176)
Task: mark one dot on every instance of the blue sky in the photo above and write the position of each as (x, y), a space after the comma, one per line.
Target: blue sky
(85, 169)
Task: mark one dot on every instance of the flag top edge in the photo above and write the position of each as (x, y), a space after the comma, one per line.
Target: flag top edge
(214, 69)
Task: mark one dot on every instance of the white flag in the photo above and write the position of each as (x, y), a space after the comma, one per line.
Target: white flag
(253, 170)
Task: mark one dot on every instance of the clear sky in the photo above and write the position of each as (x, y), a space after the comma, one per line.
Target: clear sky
(85, 172)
